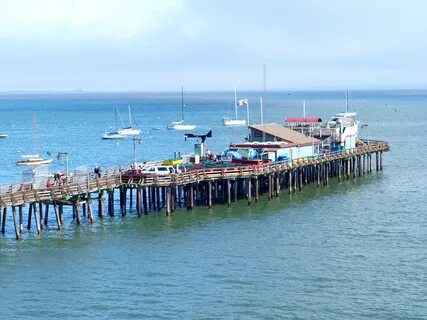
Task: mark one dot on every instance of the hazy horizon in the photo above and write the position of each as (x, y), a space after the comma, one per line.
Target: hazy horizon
(141, 45)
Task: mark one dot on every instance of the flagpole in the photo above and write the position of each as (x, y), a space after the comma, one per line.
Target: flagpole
(247, 112)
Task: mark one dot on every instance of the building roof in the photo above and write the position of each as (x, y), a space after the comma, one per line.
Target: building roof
(303, 120)
(282, 133)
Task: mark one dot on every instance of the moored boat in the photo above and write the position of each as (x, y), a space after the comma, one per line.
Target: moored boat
(181, 125)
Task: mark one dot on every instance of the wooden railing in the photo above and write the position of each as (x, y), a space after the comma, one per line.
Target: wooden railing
(71, 186)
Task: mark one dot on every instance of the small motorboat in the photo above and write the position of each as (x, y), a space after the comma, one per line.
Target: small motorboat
(3, 136)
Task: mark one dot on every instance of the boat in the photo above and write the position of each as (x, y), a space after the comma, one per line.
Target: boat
(181, 125)
(113, 135)
(346, 114)
(237, 122)
(123, 132)
(36, 159)
(3, 135)
(129, 131)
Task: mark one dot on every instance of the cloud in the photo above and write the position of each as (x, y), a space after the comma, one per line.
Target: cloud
(83, 19)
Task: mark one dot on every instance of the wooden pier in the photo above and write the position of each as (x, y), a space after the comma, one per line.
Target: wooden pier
(201, 187)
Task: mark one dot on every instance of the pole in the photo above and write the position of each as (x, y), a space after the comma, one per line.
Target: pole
(303, 108)
(235, 101)
(247, 113)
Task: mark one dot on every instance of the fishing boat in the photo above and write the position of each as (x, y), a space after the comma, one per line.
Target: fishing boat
(181, 125)
(129, 131)
(237, 122)
(36, 159)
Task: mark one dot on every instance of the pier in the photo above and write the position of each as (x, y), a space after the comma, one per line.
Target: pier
(199, 187)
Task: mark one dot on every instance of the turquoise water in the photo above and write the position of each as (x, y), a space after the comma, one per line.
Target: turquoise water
(351, 250)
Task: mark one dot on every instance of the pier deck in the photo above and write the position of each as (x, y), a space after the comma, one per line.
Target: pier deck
(205, 186)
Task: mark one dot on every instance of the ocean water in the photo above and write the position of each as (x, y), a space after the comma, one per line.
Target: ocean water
(352, 250)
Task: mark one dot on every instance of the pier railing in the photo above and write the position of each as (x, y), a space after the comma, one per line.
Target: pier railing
(84, 184)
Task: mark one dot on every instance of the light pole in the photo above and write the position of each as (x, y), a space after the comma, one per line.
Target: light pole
(139, 140)
(367, 133)
(59, 156)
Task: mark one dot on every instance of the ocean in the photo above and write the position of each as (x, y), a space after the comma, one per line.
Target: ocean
(351, 250)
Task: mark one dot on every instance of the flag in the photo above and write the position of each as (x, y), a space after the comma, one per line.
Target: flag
(243, 102)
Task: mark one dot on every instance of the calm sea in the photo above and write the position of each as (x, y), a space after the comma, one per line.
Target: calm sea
(351, 250)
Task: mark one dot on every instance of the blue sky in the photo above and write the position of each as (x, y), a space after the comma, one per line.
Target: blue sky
(110, 45)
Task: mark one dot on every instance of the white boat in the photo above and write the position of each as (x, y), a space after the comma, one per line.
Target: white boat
(237, 122)
(113, 135)
(181, 125)
(34, 160)
(129, 131)
(123, 132)
(346, 114)
(3, 135)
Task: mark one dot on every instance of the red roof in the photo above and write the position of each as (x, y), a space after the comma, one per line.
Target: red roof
(303, 120)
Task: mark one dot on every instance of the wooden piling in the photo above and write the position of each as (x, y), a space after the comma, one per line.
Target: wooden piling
(249, 191)
(168, 201)
(21, 219)
(89, 210)
(101, 204)
(46, 214)
(57, 215)
(30, 211)
(144, 200)
(3, 220)
(15, 223)
(36, 218)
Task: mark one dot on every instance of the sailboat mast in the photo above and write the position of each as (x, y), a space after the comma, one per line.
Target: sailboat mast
(130, 118)
(115, 113)
(346, 101)
(303, 108)
(36, 137)
(235, 101)
(182, 104)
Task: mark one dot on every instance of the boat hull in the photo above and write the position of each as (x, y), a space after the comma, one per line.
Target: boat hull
(233, 122)
(33, 162)
(111, 136)
(181, 126)
(129, 132)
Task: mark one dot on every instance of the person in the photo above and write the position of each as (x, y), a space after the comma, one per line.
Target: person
(49, 184)
(97, 171)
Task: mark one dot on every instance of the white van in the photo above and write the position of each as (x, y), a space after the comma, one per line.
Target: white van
(159, 170)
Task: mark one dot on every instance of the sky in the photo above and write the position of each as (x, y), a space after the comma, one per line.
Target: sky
(147, 45)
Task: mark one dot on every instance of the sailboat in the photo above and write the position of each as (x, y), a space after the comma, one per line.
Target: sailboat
(237, 122)
(34, 160)
(346, 113)
(180, 125)
(129, 131)
(124, 132)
